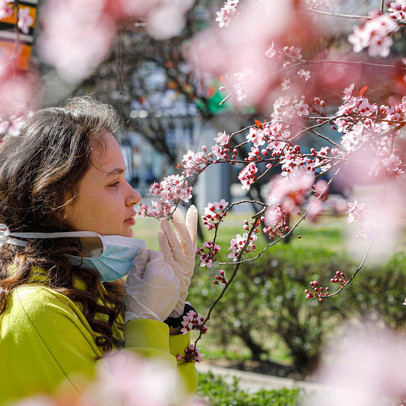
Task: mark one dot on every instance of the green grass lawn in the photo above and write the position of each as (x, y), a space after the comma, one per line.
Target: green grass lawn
(327, 233)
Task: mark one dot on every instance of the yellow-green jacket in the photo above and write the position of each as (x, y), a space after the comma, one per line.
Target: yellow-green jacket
(45, 340)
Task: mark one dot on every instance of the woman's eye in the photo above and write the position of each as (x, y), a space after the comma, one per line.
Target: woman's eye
(114, 184)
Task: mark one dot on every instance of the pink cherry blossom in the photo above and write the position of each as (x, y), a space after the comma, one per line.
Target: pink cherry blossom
(192, 354)
(285, 84)
(292, 52)
(237, 244)
(304, 74)
(212, 213)
(222, 139)
(374, 35)
(302, 108)
(5, 8)
(257, 136)
(208, 253)
(24, 19)
(347, 93)
(193, 162)
(271, 51)
(191, 321)
(227, 13)
(319, 4)
(220, 152)
(248, 175)
(12, 125)
(357, 212)
(397, 10)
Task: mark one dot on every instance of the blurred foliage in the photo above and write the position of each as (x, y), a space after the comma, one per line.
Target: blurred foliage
(214, 390)
(266, 302)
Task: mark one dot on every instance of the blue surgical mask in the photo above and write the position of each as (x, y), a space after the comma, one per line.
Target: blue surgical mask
(110, 255)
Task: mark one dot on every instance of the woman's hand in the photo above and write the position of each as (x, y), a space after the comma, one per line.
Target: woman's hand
(180, 251)
(151, 289)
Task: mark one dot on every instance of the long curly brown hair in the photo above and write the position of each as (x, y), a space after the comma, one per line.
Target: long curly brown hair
(39, 170)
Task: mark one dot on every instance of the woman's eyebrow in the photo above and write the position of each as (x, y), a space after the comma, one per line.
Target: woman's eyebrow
(116, 171)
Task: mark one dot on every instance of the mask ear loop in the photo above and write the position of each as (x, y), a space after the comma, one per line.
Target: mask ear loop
(6, 236)
(6, 239)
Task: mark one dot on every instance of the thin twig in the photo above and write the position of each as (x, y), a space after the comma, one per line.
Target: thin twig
(326, 138)
(357, 270)
(330, 13)
(237, 267)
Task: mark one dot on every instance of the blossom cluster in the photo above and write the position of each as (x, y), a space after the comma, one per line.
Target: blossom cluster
(227, 13)
(220, 278)
(172, 189)
(375, 35)
(357, 212)
(397, 10)
(191, 321)
(208, 253)
(318, 291)
(214, 213)
(193, 162)
(238, 243)
(24, 20)
(11, 125)
(339, 278)
(319, 4)
(192, 354)
(276, 221)
(248, 176)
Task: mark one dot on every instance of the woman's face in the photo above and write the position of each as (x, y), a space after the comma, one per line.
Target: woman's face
(105, 199)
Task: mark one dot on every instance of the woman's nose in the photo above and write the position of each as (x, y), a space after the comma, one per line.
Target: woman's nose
(133, 197)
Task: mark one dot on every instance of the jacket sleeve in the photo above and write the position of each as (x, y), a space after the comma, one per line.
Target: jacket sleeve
(151, 338)
(44, 342)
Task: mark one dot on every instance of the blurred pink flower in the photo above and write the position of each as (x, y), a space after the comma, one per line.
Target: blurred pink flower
(290, 192)
(366, 368)
(238, 52)
(374, 35)
(5, 9)
(76, 36)
(357, 212)
(315, 209)
(126, 379)
(168, 18)
(16, 92)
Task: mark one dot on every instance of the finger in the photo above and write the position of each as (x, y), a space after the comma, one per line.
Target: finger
(191, 224)
(139, 263)
(186, 241)
(164, 247)
(177, 251)
(156, 256)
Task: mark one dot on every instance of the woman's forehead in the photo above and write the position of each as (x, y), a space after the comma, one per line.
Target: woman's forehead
(107, 155)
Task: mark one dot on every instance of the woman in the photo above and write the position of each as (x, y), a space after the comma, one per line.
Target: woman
(67, 214)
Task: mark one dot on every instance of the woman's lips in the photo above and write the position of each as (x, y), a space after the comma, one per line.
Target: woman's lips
(130, 221)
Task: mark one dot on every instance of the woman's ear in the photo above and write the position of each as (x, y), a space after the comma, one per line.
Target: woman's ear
(67, 211)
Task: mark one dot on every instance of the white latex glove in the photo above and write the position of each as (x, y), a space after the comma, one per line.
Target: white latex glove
(180, 251)
(152, 287)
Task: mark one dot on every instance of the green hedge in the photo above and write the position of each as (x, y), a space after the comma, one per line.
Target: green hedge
(218, 393)
(267, 301)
